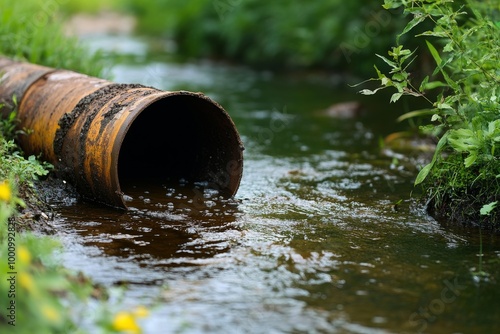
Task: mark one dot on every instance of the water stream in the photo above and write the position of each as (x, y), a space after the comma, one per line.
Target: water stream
(322, 237)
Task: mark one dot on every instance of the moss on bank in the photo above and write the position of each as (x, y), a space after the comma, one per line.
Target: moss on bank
(456, 194)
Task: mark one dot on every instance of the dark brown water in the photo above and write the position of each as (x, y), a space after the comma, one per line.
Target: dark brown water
(312, 243)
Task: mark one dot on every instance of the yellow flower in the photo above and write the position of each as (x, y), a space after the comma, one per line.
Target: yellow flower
(26, 281)
(5, 193)
(125, 322)
(23, 254)
(51, 313)
(141, 312)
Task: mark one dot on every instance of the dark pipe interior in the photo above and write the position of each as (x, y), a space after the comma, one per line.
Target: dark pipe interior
(178, 137)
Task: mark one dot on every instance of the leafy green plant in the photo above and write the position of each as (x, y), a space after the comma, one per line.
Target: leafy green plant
(12, 162)
(462, 179)
(8, 124)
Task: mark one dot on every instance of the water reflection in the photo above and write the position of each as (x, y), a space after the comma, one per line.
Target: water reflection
(171, 224)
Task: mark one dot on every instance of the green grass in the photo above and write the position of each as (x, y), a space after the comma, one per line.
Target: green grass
(88, 6)
(30, 30)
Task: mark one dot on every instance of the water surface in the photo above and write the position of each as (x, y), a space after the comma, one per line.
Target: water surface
(322, 237)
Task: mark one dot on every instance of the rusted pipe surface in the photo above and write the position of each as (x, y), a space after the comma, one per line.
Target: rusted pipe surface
(99, 134)
(15, 80)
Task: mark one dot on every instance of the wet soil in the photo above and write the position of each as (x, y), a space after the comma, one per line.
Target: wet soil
(38, 215)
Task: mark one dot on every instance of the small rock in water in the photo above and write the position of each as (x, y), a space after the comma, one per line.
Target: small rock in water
(209, 193)
(201, 184)
(345, 110)
(127, 198)
(209, 204)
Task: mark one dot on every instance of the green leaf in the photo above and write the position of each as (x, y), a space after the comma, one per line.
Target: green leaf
(432, 33)
(434, 53)
(385, 81)
(493, 127)
(432, 85)
(435, 117)
(367, 92)
(448, 47)
(388, 4)
(464, 140)
(400, 76)
(399, 51)
(449, 81)
(469, 161)
(370, 92)
(414, 22)
(395, 97)
(444, 106)
(487, 208)
(389, 62)
(422, 87)
(425, 171)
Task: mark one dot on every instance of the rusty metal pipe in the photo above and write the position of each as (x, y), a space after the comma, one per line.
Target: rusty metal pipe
(99, 134)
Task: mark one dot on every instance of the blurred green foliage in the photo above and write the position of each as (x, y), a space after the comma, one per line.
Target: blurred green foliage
(30, 30)
(327, 34)
(71, 7)
(279, 34)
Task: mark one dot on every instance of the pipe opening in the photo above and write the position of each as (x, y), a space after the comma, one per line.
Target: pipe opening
(183, 138)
